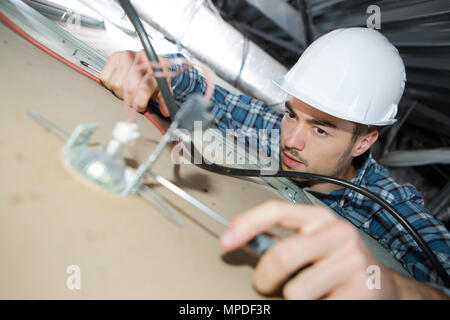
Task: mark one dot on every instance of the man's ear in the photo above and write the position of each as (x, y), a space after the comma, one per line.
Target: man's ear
(364, 142)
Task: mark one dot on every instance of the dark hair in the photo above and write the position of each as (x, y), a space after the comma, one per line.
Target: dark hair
(360, 129)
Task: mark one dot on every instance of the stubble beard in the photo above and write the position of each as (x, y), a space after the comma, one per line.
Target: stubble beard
(331, 172)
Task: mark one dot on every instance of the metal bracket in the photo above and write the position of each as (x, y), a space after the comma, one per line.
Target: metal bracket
(79, 137)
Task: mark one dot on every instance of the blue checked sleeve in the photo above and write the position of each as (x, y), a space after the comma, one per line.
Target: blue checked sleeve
(231, 111)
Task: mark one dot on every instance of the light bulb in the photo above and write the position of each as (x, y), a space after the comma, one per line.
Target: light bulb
(96, 164)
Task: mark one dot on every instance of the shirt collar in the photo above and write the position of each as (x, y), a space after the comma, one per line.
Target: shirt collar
(364, 162)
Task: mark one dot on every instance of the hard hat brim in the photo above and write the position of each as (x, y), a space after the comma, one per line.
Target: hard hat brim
(319, 106)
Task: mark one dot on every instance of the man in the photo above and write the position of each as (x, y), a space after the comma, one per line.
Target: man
(345, 85)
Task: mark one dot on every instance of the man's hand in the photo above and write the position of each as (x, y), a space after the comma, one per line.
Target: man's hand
(129, 75)
(338, 256)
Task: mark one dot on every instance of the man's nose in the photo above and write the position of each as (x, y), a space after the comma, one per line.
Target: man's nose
(296, 138)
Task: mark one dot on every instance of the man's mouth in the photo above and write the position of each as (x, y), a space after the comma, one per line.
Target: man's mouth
(291, 163)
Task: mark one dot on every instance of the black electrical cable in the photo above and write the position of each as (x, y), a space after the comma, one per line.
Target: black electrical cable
(369, 194)
(151, 55)
(173, 108)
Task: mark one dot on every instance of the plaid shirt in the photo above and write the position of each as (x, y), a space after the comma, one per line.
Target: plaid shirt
(233, 111)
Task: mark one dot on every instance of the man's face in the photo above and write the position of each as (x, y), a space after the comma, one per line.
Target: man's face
(313, 141)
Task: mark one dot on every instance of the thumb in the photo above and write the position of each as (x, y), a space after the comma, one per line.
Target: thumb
(162, 105)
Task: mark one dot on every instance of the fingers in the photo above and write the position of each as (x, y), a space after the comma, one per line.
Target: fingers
(130, 76)
(162, 105)
(319, 281)
(108, 69)
(289, 255)
(132, 81)
(115, 71)
(144, 91)
(303, 218)
(330, 247)
(327, 274)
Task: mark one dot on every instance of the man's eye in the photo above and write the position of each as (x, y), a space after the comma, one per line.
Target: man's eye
(321, 132)
(290, 114)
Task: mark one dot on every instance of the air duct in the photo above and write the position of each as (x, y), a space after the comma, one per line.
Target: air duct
(202, 32)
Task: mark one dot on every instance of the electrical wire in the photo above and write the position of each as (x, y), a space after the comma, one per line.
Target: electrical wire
(151, 55)
(437, 265)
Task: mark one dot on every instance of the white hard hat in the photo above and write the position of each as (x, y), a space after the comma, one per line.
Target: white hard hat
(354, 74)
